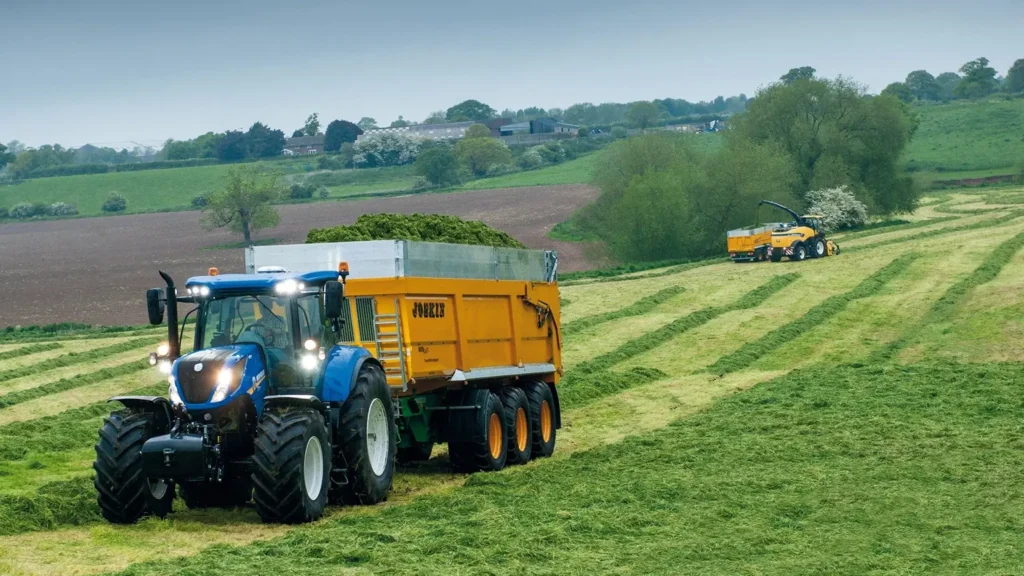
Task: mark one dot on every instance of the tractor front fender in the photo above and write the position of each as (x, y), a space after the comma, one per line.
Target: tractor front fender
(157, 405)
(340, 372)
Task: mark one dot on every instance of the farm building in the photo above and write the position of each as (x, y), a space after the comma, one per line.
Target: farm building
(539, 126)
(303, 145)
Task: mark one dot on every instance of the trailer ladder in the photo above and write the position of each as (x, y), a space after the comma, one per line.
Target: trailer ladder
(390, 350)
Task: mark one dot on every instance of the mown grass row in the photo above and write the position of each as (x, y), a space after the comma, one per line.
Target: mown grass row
(30, 349)
(751, 351)
(874, 231)
(65, 384)
(593, 379)
(672, 269)
(945, 306)
(641, 306)
(941, 231)
(830, 470)
(74, 358)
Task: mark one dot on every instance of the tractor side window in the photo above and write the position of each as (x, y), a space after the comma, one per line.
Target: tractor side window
(310, 320)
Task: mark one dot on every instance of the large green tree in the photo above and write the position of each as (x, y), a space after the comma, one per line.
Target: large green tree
(922, 85)
(312, 126)
(367, 123)
(232, 146)
(836, 134)
(1015, 77)
(899, 90)
(5, 156)
(339, 132)
(643, 114)
(794, 74)
(979, 79)
(46, 156)
(947, 82)
(479, 154)
(470, 110)
(245, 205)
(262, 142)
(438, 165)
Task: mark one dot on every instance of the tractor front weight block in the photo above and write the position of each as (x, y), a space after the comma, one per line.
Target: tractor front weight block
(181, 457)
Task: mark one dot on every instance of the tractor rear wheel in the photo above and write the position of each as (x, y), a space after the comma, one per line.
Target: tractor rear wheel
(799, 253)
(293, 465)
(542, 418)
(488, 450)
(369, 438)
(125, 494)
(517, 416)
(818, 249)
(229, 493)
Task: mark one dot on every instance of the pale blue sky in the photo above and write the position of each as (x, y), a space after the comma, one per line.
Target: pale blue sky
(112, 71)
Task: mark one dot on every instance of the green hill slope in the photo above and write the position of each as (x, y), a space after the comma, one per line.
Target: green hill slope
(961, 136)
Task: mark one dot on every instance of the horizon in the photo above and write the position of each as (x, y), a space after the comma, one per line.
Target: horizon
(122, 73)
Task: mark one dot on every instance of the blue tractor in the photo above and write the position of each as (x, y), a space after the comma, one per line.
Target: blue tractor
(267, 407)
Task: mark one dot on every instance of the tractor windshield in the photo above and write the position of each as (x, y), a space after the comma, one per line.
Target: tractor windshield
(265, 320)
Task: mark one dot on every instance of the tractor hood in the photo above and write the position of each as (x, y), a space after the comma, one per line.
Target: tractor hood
(211, 377)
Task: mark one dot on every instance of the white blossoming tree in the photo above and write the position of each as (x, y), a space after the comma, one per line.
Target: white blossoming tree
(839, 208)
(385, 149)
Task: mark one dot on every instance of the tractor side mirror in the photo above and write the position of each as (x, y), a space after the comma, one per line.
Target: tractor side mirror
(333, 295)
(155, 306)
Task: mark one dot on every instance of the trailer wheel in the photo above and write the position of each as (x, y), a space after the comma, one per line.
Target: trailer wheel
(232, 492)
(124, 493)
(417, 452)
(517, 415)
(542, 418)
(799, 253)
(488, 450)
(369, 438)
(293, 465)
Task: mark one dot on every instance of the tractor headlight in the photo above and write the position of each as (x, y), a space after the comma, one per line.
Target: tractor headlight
(225, 379)
(309, 362)
(163, 349)
(288, 287)
(172, 391)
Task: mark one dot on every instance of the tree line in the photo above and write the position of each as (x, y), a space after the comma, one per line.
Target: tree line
(976, 79)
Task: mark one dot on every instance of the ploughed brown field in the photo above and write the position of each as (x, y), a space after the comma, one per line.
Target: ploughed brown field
(96, 270)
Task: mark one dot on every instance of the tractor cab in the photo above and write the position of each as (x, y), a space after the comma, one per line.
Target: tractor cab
(815, 222)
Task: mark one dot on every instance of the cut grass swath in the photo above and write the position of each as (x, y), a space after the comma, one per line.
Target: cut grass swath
(941, 231)
(74, 358)
(752, 351)
(62, 503)
(30, 349)
(945, 306)
(874, 231)
(615, 274)
(66, 331)
(64, 384)
(641, 306)
(593, 379)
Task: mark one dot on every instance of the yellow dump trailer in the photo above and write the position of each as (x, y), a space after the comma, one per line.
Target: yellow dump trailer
(468, 338)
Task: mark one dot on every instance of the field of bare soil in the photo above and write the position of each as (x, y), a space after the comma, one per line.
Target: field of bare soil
(96, 270)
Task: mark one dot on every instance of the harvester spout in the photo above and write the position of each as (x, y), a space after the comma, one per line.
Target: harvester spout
(172, 317)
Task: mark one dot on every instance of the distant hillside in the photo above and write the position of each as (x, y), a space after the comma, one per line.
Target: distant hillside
(972, 135)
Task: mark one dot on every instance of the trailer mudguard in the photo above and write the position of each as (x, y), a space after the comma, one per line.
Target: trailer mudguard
(158, 405)
(340, 371)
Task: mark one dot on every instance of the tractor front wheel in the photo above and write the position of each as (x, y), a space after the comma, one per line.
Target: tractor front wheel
(293, 465)
(818, 249)
(369, 438)
(125, 494)
(799, 253)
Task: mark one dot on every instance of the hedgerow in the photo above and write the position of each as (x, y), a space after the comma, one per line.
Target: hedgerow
(422, 227)
(816, 316)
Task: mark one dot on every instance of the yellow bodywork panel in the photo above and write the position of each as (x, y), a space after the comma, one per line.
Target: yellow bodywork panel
(461, 324)
(786, 238)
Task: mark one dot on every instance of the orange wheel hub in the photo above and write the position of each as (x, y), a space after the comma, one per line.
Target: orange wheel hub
(522, 430)
(495, 437)
(545, 421)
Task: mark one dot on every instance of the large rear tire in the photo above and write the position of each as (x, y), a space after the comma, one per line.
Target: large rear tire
(487, 451)
(818, 249)
(229, 493)
(799, 253)
(542, 419)
(369, 438)
(517, 415)
(293, 465)
(124, 493)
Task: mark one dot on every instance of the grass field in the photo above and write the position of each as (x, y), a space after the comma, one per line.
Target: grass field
(850, 415)
(968, 136)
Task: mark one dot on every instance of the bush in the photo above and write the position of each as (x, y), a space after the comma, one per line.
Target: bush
(23, 210)
(301, 191)
(552, 152)
(499, 169)
(438, 166)
(422, 227)
(323, 192)
(479, 154)
(619, 132)
(530, 159)
(4, 213)
(331, 162)
(839, 208)
(200, 201)
(583, 133)
(61, 209)
(385, 149)
(115, 203)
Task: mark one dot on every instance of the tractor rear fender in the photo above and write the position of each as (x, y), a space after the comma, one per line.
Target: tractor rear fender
(340, 371)
(157, 405)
